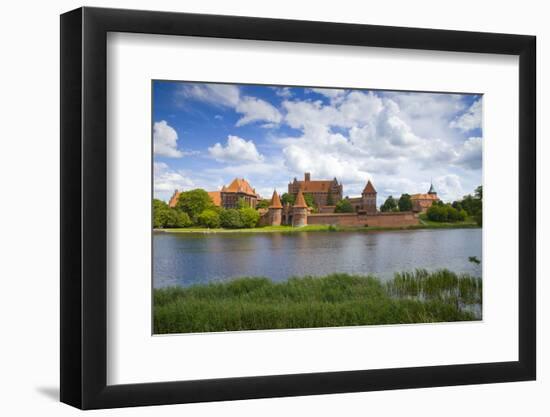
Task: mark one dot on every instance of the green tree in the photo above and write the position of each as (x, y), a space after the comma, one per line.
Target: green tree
(249, 217)
(263, 203)
(194, 202)
(343, 206)
(405, 203)
(437, 213)
(288, 198)
(389, 205)
(310, 201)
(159, 207)
(230, 219)
(209, 218)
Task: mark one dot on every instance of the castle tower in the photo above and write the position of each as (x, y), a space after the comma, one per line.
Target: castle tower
(299, 211)
(275, 210)
(369, 198)
(432, 191)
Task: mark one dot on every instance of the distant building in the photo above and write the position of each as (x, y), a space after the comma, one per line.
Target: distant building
(367, 202)
(237, 190)
(422, 202)
(322, 191)
(229, 196)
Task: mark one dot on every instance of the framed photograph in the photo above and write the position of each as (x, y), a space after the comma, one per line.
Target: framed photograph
(257, 208)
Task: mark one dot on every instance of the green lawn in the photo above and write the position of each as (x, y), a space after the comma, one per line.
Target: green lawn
(307, 302)
(424, 224)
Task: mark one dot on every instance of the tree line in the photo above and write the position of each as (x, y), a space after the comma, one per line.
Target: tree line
(459, 210)
(196, 208)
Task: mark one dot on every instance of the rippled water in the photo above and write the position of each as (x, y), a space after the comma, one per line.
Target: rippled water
(186, 259)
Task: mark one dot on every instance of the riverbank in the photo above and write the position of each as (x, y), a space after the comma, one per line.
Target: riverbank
(334, 300)
(423, 224)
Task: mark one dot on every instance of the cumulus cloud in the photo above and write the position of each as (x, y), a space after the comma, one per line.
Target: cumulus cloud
(224, 95)
(166, 180)
(470, 154)
(254, 110)
(285, 92)
(469, 120)
(449, 187)
(165, 140)
(334, 94)
(217, 94)
(236, 150)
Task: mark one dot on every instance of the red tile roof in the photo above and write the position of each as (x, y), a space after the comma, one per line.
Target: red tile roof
(369, 188)
(275, 201)
(239, 185)
(174, 199)
(300, 202)
(424, 197)
(317, 186)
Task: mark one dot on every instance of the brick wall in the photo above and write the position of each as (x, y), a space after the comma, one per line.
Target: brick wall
(373, 220)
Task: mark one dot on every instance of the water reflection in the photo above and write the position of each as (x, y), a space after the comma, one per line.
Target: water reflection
(186, 259)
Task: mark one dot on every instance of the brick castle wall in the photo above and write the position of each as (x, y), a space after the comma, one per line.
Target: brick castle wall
(372, 220)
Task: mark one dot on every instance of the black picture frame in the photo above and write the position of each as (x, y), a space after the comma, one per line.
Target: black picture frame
(84, 207)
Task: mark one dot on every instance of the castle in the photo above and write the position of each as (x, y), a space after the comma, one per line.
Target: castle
(228, 197)
(325, 194)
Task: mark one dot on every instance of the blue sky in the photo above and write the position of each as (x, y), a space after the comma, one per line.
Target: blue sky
(206, 134)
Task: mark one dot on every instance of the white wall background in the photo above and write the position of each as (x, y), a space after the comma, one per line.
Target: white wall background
(29, 236)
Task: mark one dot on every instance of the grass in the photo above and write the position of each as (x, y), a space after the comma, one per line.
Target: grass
(307, 302)
(424, 224)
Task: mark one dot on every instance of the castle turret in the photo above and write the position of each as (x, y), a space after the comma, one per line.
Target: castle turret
(275, 210)
(299, 211)
(369, 198)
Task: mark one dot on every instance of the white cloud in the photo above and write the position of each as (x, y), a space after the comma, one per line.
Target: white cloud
(236, 150)
(165, 140)
(223, 95)
(285, 92)
(217, 94)
(167, 180)
(469, 120)
(470, 154)
(335, 95)
(448, 187)
(254, 110)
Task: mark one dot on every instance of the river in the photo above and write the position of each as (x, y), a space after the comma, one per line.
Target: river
(196, 258)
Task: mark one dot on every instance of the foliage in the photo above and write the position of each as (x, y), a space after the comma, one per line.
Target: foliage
(405, 203)
(264, 203)
(333, 300)
(166, 217)
(343, 206)
(291, 198)
(249, 217)
(446, 213)
(472, 205)
(230, 219)
(389, 205)
(209, 218)
(288, 198)
(194, 202)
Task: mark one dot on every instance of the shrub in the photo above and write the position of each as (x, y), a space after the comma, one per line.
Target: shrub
(194, 202)
(249, 217)
(209, 218)
(230, 219)
(343, 206)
